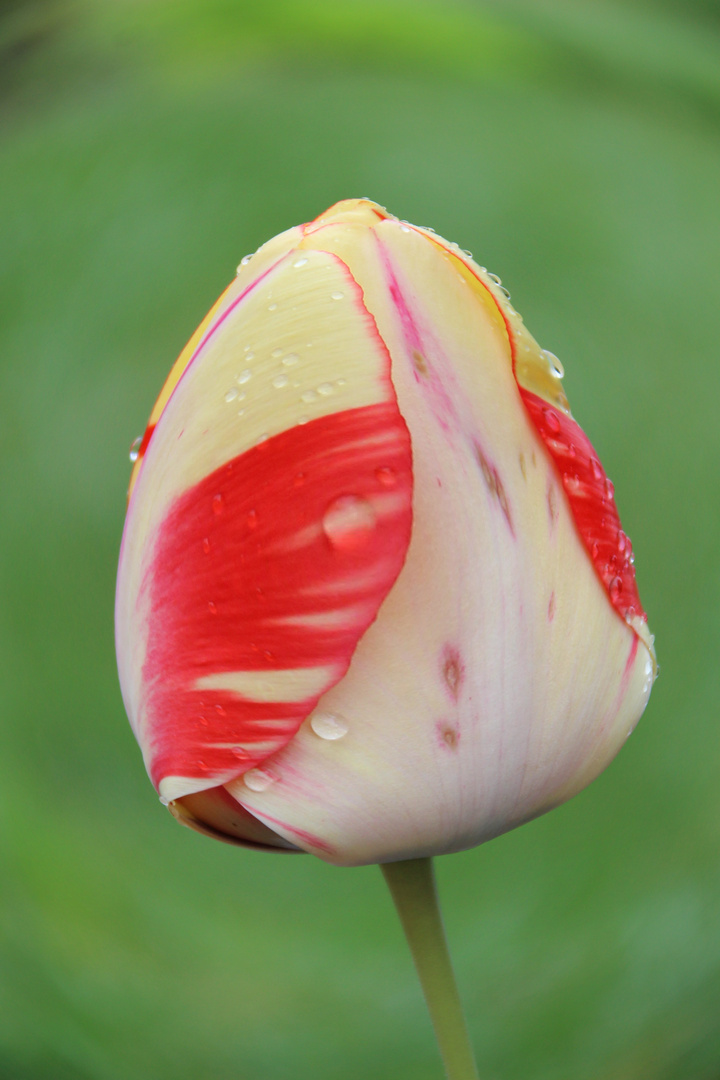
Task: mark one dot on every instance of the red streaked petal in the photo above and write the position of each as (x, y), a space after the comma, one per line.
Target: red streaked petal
(592, 502)
(264, 576)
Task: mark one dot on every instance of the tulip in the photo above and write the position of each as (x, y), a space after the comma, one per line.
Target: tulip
(374, 600)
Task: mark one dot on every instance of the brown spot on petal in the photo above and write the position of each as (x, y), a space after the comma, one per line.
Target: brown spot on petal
(419, 362)
(551, 607)
(494, 484)
(521, 459)
(453, 671)
(552, 504)
(448, 734)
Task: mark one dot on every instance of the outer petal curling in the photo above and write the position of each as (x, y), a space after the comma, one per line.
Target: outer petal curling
(499, 679)
(262, 534)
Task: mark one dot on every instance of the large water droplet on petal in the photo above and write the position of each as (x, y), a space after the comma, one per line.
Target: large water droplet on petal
(135, 448)
(349, 522)
(328, 725)
(258, 779)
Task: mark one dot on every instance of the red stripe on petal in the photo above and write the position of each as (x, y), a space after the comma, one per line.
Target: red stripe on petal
(276, 562)
(592, 502)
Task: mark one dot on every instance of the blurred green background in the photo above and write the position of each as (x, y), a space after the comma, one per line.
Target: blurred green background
(145, 147)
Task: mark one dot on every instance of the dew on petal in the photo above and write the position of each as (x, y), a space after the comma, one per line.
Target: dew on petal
(386, 476)
(337, 295)
(231, 394)
(553, 424)
(244, 376)
(135, 448)
(280, 381)
(325, 389)
(299, 263)
(258, 779)
(206, 545)
(308, 396)
(348, 522)
(555, 364)
(328, 725)
(217, 505)
(272, 307)
(290, 359)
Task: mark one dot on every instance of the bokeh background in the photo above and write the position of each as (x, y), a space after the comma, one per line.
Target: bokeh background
(145, 147)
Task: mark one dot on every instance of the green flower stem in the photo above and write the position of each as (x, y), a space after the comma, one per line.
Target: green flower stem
(412, 884)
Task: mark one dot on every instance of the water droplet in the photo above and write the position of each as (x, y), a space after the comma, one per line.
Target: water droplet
(649, 676)
(341, 382)
(240, 753)
(621, 541)
(615, 588)
(328, 726)
(277, 353)
(337, 295)
(202, 720)
(220, 711)
(246, 259)
(279, 381)
(596, 468)
(299, 479)
(272, 307)
(250, 353)
(303, 419)
(212, 608)
(217, 505)
(262, 438)
(551, 420)
(595, 550)
(504, 291)
(325, 389)
(258, 779)
(135, 448)
(495, 278)
(555, 365)
(206, 546)
(290, 359)
(405, 228)
(386, 476)
(231, 395)
(202, 765)
(299, 263)
(308, 396)
(244, 376)
(609, 488)
(348, 522)
(252, 519)
(467, 254)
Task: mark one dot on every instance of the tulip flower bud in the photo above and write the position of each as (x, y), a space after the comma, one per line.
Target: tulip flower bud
(374, 599)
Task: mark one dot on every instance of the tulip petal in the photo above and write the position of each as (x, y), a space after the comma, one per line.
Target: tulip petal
(499, 678)
(268, 522)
